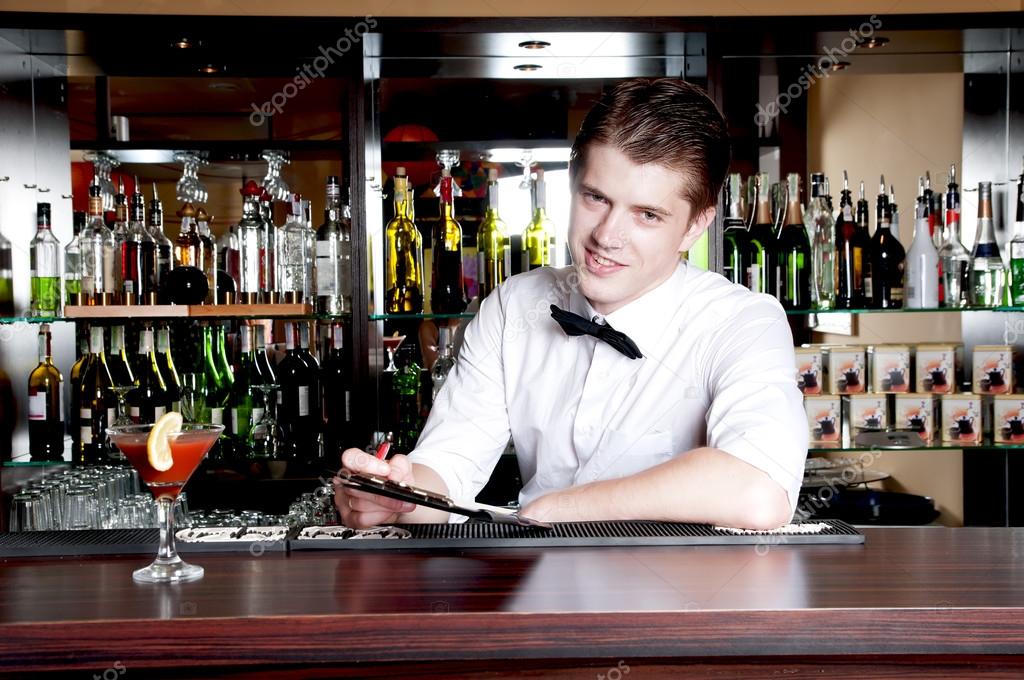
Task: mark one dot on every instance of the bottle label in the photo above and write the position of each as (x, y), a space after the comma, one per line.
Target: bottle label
(896, 294)
(85, 434)
(37, 406)
(240, 421)
(754, 278)
(868, 288)
(257, 414)
(217, 415)
(85, 414)
(303, 400)
(134, 412)
(159, 412)
(348, 406)
(848, 213)
(129, 287)
(326, 263)
(111, 415)
(175, 406)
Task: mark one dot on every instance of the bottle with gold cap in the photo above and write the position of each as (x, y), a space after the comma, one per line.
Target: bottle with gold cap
(403, 277)
(98, 250)
(793, 252)
(539, 237)
(188, 247)
(988, 276)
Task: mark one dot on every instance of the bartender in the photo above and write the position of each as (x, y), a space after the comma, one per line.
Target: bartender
(633, 385)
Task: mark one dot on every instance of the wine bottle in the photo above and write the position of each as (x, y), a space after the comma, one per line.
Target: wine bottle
(336, 397)
(864, 234)
(263, 365)
(209, 263)
(212, 388)
(493, 248)
(164, 248)
(149, 401)
(738, 252)
(45, 405)
(447, 285)
(407, 391)
(1017, 248)
(987, 273)
(850, 253)
(793, 254)
(224, 367)
(117, 361)
(820, 227)
(403, 281)
(761, 274)
(72, 262)
(44, 254)
(6, 278)
(445, 361)
(97, 404)
(888, 258)
(295, 416)
(922, 269)
(292, 255)
(75, 387)
(539, 236)
(169, 374)
(334, 254)
(244, 406)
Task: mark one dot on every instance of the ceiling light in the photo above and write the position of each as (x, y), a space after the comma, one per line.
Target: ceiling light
(183, 43)
(876, 41)
(527, 67)
(534, 44)
(209, 68)
(840, 65)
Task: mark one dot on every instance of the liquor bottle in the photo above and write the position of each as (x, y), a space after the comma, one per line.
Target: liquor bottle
(45, 263)
(922, 287)
(75, 389)
(229, 255)
(150, 399)
(45, 405)
(269, 247)
(403, 281)
(309, 262)
(761, 274)
(97, 404)
(1017, 248)
(864, 234)
(117, 360)
(888, 258)
(821, 229)
(334, 254)
(445, 360)
(224, 367)
(295, 417)
(493, 248)
(336, 396)
(954, 258)
(793, 254)
(73, 262)
(407, 392)
(849, 253)
(738, 251)
(188, 246)
(164, 248)
(539, 236)
(209, 264)
(212, 389)
(894, 222)
(245, 407)
(292, 255)
(251, 244)
(169, 374)
(139, 254)
(987, 273)
(6, 278)
(120, 232)
(933, 201)
(447, 285)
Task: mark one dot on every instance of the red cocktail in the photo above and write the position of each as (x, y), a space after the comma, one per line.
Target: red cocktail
(165, 466)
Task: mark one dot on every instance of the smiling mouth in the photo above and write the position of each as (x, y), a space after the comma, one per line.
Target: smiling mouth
(603, 261)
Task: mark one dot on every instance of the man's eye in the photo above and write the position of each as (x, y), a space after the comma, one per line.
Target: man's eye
(650, 216)
(591, 196)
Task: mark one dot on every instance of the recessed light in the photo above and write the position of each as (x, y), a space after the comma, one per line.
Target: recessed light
(527, 67)
(184, 43)
(209, 69)
(876, 41)
(534, 44)
(840, 65)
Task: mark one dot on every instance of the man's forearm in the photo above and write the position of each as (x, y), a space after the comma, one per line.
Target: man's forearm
(705, 485)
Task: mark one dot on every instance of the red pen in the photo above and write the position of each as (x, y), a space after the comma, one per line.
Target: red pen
(384, 447)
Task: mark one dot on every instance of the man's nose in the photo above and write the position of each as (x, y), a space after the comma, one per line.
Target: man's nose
(610, 233)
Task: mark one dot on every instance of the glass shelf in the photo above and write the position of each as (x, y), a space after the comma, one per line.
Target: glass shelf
(30, 319)
(34, 463)
(806, 312)
(405, 317)
(936, 446)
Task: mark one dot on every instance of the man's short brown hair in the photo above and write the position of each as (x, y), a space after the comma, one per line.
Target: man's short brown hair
(666, 121)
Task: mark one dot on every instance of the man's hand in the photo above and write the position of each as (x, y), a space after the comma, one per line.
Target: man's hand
(360, 509)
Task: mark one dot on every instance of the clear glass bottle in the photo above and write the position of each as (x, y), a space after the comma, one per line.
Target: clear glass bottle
(120, 231)
(269, 247)
(209, 264)
(988, 275)
(922, 270)
(334, 255)
(229, 254)
(73, 263)
(291, 274)
(954, 258)
(821, 229)
(493, 247)
(309, 261)
(164, 247)
(44, 254)
(97, 253)
(403, 281)
(445, 361)
(251, 245)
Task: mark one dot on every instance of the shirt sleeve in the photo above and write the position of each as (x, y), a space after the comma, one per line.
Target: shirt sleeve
(468, 427)
(756, 412)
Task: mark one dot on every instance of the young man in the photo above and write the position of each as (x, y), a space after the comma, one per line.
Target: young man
(670, 396)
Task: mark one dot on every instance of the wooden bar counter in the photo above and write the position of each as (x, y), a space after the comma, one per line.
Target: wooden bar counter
(931, 602)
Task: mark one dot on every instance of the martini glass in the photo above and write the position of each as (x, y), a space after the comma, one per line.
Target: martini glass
(188, 448)
(391, 344)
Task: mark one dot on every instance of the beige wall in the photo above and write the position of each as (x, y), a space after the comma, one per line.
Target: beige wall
(869, 124)
(524, 8)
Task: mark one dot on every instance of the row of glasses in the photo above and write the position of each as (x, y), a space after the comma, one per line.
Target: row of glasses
(102, 164)
(273, 182)
(189, 188)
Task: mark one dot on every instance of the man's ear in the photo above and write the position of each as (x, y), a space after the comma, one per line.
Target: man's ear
(697, 228)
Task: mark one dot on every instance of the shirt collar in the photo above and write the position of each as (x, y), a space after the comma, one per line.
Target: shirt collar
(643, 319)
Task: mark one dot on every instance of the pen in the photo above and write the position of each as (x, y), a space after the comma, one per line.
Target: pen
(384, 447)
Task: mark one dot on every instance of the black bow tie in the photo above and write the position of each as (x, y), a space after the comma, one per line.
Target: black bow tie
(574, 324)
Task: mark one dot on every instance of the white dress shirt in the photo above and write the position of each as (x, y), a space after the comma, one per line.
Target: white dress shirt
(717, 371)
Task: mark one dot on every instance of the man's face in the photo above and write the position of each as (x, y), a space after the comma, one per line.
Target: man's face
(627, 225)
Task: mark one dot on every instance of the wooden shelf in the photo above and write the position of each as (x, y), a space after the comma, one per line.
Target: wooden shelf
(267, 311)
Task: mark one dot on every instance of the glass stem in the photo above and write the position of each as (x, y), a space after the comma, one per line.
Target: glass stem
(165, 517)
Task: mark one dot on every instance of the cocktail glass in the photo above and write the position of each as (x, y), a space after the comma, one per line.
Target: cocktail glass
(188, 448)
(391, 344)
